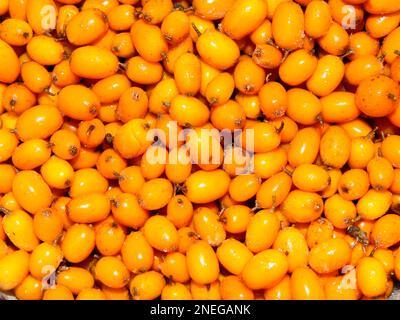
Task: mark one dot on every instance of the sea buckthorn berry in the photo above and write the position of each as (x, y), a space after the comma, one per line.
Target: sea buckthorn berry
(265, 269)
(10, 71)
(31, 154)
(86, 27)
(262, 231)
(14, 267)
(292, 243)
(31, 191)
(319, 231)
(161, 234)
(199, 186)
(302, 206)
(274, 191)
(273, 100)
(379, 88)
(147, 285)
(111, 89)
(110, 163)
(269, 163)
(363, 68)
(110, 237)
(371, 277)
(288, 26)
(317, 19)
(131, 179)
(209, 226)
(220, 89)
(229, 115)
(89, 208)
(91, 133)
(17, 98)
(213, 10)
(154, 11)
(385, 231)
(267, 56)
(115, 294)
(339, 107)
(353, 184)
(175, 27)
(122, 45)
(91, 294)
(335, 41)
(15, 32)
(244, 187)
(7, 172)
(303, 106)
(9, 202)
(335, 147)
(29, 289)
(142, 71)
(265, 137)
(104, 6)
(244, 17)
(180, 211)
(38, 122)
(305, 285)
(154, 47)
(362, 151)
(187, 73)
(281, 291)
(381, 173)
(217, 49)
(298, 67)
(176, 291)
(112, 272)
(132, 139)
(85, 107)
(161, 96)
(390, 150)
(310, 177)
(233, 288)
(127, 211)
(78, 243)
(87, 181)
(133, 104)
(65, 15)
(35, 15)
(155, 194)
(175, 52)
(236, 218)
(202, 263)
(18, 226)
(248, 76)
(174, 267)
(45, 50)
(206, 292)
(8, 144)
(378, 7)
(330, 256)
(45, 260)
(76, 279)
(58, 292)
(339, 211)
(65, 144)
(47, 225)
(374, 204)
(93, 62)
(137, 254)
(327, 76)
(233, 255)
